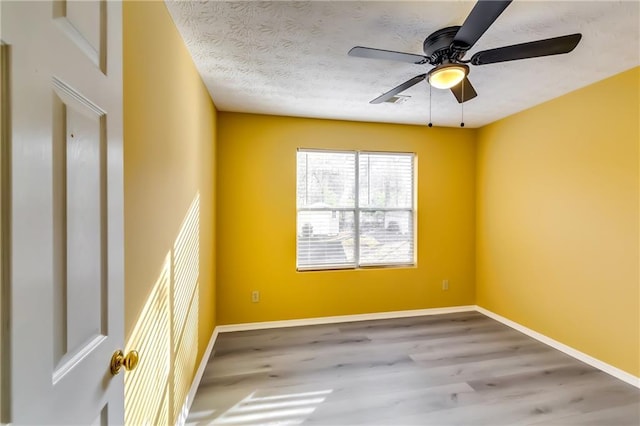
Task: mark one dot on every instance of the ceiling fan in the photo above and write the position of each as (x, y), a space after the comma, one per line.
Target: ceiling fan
(446, 48)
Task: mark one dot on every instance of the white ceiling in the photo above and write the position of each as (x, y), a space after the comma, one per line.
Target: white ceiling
(290, 58)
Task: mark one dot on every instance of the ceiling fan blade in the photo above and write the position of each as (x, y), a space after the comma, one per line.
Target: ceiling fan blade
(483, 14)
(368, 52)
(532, 49)
(401, 88)
(469, 91)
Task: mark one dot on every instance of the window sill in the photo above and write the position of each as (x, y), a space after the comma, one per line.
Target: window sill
(355, 268)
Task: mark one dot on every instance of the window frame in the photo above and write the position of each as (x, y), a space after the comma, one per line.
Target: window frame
(357, 210)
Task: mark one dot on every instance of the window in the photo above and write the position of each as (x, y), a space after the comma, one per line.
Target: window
(355, 209)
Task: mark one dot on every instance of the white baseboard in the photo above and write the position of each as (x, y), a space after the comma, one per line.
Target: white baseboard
(186, 406)
(342, 318)
(580, 356)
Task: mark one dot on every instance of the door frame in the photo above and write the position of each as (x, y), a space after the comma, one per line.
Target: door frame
(4, 232)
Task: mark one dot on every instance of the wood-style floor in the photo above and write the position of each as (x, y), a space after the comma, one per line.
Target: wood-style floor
(453, 369)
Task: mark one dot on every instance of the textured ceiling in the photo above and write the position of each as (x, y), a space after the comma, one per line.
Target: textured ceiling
(290, 58)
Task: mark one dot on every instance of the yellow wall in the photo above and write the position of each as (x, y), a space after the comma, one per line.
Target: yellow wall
(558, 219)
(257, 216)
(169, 164)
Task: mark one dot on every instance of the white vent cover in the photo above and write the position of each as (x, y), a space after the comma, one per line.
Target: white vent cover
(398, 99)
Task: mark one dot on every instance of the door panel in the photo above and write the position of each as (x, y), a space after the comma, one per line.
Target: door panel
(84, 23)
(79, 196)
(85, 17)
(66, 179)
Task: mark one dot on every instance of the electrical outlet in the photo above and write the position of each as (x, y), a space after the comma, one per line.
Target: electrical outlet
(255, 296)
(445, 284)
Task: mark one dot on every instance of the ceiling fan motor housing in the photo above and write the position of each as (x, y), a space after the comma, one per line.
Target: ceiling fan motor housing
(437, 46)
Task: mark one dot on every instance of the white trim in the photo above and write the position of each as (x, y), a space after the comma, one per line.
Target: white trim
(580, 356)
(342, 318)
(186, 406)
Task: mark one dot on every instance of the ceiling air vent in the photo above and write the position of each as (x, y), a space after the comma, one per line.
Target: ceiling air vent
(398, 99)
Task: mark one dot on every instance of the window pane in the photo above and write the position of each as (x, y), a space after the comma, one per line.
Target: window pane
(386, 237)
(326, 201)
(386, 180)
(325, 238)
(326, 179)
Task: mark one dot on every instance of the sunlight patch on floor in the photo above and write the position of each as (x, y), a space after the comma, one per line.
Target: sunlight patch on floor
(286, 409)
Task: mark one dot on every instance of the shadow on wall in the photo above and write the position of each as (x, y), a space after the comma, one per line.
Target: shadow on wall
(166, 333)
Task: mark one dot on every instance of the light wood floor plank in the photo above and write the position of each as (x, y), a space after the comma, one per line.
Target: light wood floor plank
(453, 369)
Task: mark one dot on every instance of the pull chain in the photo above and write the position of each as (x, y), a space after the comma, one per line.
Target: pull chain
(430, 123)
(462, 118)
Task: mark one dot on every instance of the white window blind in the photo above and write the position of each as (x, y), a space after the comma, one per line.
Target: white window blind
(354, 209)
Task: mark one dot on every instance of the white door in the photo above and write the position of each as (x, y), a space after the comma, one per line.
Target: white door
(65, 203)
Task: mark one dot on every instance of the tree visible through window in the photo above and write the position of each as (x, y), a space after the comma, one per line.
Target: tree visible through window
(354, 209)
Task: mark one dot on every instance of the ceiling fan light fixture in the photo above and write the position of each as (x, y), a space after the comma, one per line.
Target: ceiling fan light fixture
(447, 76)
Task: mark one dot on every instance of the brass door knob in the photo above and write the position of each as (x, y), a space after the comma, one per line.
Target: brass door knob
(119, 360)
